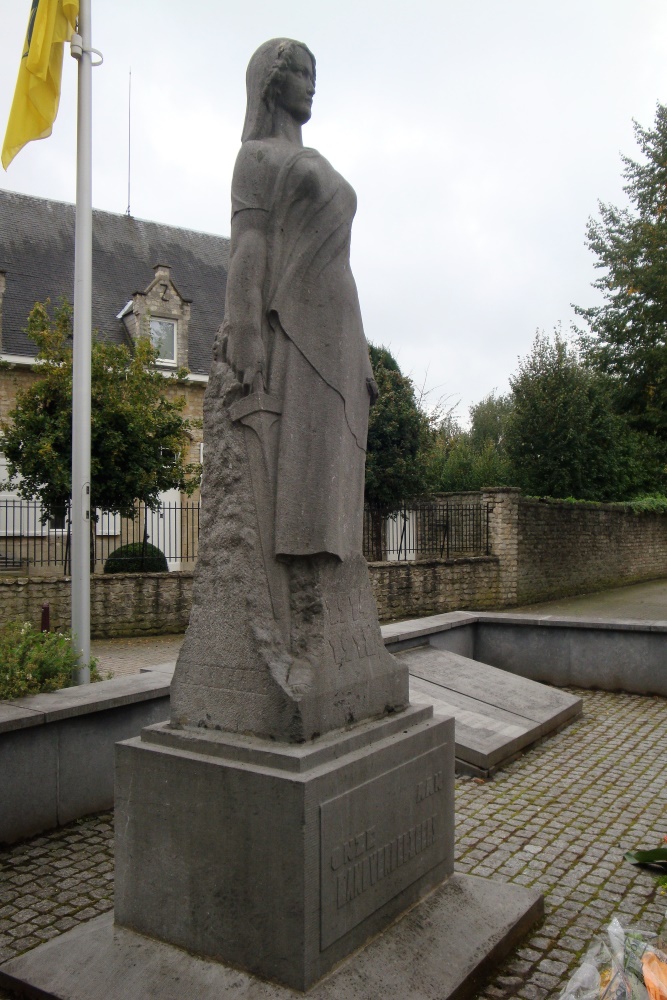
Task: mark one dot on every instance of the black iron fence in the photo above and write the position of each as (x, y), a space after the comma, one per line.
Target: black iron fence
(28, 539)
(417, 531)
(429, 530)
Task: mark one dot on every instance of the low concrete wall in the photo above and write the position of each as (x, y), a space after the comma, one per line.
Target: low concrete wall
(604, 655)
(57, 750)
(609, 656)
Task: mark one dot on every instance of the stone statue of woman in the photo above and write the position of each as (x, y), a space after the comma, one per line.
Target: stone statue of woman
(293, 322)
(284, 639)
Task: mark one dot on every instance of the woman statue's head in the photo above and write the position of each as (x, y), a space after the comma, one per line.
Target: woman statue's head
(267, 77)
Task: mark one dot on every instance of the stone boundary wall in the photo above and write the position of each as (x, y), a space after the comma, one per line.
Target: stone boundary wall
(121, 604)
(434, 586)
(155, 603)
(567, 548)
(540, 549)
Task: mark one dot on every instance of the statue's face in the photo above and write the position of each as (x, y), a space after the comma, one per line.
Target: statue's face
(298, 87)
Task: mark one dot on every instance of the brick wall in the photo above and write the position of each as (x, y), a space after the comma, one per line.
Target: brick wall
(566, 548)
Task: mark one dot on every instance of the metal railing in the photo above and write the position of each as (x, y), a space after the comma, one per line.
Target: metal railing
(425, 531)
(417, 531)
(28, 539)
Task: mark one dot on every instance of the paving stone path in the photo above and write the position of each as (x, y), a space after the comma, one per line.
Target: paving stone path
(560, 818)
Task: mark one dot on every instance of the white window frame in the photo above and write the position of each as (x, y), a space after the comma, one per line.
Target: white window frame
(172, 362)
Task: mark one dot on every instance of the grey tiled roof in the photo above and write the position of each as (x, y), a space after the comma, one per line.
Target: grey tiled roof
(37, 255)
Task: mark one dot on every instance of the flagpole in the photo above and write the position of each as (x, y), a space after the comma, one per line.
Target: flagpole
(81, 378)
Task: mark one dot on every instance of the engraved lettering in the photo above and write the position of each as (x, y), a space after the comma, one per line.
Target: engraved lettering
(342, 889)
(432, 785)
(380, 862)
(358, 879)
(337, 858)
(349, 891)
(370, 839)
(373, 867)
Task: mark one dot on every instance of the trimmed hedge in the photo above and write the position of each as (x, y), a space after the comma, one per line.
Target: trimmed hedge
(136, 558)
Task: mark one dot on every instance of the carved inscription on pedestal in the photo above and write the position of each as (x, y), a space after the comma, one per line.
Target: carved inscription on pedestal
(379, 838)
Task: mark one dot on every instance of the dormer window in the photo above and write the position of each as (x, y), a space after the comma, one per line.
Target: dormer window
(163, 339)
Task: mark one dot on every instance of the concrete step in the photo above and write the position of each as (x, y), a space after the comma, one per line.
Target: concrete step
(498, 714)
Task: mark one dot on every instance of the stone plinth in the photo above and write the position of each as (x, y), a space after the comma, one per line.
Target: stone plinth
(282, 859)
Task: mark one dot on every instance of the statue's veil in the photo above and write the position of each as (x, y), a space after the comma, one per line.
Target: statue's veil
(259, 116)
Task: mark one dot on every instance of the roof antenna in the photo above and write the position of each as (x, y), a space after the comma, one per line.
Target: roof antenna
(129, 139)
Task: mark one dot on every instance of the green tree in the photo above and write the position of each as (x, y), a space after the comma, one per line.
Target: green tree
(627, 335)
(488, 421)
(139, 436)
(473, 459)
(398, 443)
(564, 438)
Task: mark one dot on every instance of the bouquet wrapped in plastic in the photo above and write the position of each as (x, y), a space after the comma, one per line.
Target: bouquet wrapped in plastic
(626, 964)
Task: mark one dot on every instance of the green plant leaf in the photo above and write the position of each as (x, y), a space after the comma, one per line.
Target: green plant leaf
(656, 857)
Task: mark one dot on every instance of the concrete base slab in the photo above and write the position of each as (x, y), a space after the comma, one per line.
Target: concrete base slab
(444, 947)
(498, 714)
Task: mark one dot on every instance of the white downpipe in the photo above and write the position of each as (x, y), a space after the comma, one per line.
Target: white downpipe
(81, 430)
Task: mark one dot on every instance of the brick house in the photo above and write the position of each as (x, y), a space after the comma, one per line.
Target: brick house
(149, 279)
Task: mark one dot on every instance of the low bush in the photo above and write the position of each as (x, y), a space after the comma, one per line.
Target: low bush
(650, 503)
(32, 661)
(136, 558)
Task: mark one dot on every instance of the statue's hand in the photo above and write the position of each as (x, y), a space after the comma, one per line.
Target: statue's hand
(245, 353)
(373, 390)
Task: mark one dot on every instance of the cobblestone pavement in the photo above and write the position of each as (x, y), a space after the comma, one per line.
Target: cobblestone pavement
(559, 818)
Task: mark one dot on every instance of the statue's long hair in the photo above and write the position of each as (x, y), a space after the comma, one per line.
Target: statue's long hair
(266, 72)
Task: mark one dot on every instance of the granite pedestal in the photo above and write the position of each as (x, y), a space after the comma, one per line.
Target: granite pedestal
(282, 859)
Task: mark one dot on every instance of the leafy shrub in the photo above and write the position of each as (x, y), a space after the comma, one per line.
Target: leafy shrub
(651, 503)
(32, 661)
(136, 558)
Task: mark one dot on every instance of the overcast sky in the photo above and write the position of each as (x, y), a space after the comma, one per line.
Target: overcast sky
(479, 135)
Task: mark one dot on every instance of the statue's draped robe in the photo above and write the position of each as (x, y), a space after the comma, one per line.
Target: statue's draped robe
(317, 357)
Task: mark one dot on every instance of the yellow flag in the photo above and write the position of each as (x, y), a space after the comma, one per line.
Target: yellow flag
(35, 105)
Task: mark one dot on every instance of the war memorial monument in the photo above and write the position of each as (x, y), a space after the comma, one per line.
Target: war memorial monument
(295, 805)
